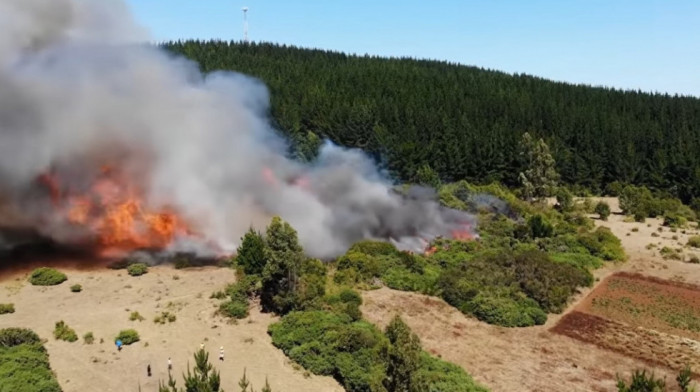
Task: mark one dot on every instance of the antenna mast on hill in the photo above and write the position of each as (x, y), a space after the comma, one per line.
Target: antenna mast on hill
(245, 24)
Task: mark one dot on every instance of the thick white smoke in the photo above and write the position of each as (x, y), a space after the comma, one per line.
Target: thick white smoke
(76, 86)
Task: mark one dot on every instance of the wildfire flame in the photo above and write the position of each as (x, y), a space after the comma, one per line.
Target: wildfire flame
(114, 213)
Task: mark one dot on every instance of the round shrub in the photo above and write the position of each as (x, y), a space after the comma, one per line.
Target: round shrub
(504, 311)
(137, 269)
(128, 336)
(47, 277)
(350, 296)
(603, 210)
(76, 288)
(63, 332)
(235, 309)
(694, 241)
(7, 308)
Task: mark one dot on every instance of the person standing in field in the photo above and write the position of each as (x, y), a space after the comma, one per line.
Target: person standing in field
(148, 370)
(170, 364)
(221, 353)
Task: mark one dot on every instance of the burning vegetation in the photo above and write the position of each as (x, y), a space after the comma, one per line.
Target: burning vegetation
(111, 213)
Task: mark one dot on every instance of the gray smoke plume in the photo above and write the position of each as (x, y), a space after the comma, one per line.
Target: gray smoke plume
(79, 88)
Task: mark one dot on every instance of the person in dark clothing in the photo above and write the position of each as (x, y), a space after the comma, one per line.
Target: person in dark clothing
(148, 370)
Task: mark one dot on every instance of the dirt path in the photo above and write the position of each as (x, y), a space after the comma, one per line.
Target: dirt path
(104, 306)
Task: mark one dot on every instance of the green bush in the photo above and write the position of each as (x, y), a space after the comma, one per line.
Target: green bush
(603, 243)
(603, 210)
(64, 332)
(346, 304)
(674, 220)
(89, 338)
(443, 376)
(540, 227)
(694, 259)
(583, 261)
(45, 276)
(549, 284)
(565, 199)
(355, 267)
(128, 336)
(7, 308)
(355, 353)
(76, 288)
(374, 248)
(614, 188)
(137, 269)
(505, 311)
(234, 309)
(24, 363)
(694, 241)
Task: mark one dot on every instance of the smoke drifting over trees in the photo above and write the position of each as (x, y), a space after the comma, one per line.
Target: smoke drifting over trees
(80, 91)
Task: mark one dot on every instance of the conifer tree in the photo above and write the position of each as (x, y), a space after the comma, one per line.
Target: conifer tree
(403, 357)
(251, 253)
(540, 176)
(284, 258)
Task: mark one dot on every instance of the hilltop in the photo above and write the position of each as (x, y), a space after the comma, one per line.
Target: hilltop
(466, 122)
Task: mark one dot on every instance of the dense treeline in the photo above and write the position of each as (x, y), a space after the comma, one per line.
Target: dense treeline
(466, 122)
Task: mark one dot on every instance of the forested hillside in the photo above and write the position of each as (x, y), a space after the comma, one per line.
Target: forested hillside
(466, 122)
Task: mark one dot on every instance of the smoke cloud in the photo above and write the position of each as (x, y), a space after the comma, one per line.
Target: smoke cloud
(79, 88)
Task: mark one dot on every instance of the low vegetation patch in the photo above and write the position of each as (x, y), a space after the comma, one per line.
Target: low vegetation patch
(76, 288)
(642, 381)
(694, 241)
(136, 316)
(641, 203)
(45, 276)
(361, 357)
(128, 336)
(165, 317)
(24, 363)
(89, 338)
(137, 269)
(7, 308)
(63, 332)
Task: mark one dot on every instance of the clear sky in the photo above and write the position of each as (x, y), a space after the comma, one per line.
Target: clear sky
(652, 45)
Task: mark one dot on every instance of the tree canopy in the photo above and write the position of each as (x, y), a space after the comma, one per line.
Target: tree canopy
(467, 122)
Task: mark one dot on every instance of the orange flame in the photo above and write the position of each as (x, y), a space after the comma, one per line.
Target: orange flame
(114, 213)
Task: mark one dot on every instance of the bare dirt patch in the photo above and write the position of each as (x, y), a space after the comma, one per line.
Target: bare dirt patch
(103, 308)
(652, 347)
(641, 301)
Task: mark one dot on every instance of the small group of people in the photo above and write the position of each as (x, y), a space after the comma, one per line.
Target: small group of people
(221, 351)
(170, 361)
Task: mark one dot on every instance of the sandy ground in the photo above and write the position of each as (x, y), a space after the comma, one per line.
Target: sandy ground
(534, 359)
(104, 306)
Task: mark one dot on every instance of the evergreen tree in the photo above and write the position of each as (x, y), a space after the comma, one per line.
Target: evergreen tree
(202, 379)
(267, 388)
(280, 276)
(403, 357)
(428, 177)
(244, 383)
(540, 176)
(251, 253)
